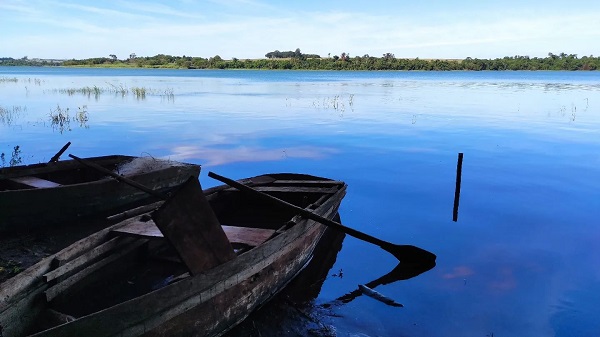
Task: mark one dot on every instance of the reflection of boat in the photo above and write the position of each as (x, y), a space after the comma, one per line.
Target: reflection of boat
(130, 280)
(45, 194)
(294, 311)
(307, 285)
(289, 313)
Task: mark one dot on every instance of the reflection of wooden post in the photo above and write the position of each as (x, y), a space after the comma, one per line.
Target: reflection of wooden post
(457, 189)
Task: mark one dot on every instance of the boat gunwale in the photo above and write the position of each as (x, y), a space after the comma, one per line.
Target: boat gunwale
(73, 164)
(41, 168)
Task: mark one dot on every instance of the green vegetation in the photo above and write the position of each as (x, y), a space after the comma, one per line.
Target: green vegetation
(298, 61)
(25, 61)
(10, 267)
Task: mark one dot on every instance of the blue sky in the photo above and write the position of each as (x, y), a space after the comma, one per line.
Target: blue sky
(251, 28)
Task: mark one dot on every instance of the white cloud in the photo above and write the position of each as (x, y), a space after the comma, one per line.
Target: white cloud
(223, 29)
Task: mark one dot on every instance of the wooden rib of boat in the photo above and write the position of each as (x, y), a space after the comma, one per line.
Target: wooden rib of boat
(48, 194)
(141, 276)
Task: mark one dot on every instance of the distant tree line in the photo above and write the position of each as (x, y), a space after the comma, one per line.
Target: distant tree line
(25, 61)
(297, 54)
(299, 61)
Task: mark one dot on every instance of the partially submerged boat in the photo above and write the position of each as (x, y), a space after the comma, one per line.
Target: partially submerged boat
(56, 192)
(197, 265)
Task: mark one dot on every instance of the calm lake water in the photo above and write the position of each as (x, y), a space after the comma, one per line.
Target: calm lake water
(522, 259)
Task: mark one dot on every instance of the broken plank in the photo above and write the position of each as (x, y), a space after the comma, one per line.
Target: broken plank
(188, 222)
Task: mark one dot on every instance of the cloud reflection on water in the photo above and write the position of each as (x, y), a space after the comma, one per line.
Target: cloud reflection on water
(221, 156)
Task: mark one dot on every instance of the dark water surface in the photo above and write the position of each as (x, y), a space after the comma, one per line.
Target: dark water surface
(522, 260)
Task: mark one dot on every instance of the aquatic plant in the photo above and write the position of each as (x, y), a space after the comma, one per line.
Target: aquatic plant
(82, 116)
(168, 94)
(35, 81)
(139, 93)
(118, 90)
(87, 91)
(8, 115)
(8, 79)
(122, 90)
(59, 119)
(15, 157)
(337, 103)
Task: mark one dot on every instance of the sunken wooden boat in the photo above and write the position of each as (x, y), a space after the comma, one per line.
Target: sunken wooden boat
(196, 266)
(57, 192)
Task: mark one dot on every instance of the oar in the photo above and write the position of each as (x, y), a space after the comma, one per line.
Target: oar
(405, 253)
(56, 157)
(120, 178)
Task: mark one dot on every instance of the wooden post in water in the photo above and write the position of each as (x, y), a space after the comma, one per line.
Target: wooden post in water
(457, 189)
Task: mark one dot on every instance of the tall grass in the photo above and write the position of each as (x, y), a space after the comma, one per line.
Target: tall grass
(9, 115)
(139, 93)
(168, 94)
(338, 103)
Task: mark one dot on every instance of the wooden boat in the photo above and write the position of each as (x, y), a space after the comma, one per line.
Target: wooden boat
(184, 279)
(47, 194)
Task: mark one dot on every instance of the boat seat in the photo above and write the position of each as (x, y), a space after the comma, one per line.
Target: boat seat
(35, 182)
(242, 235)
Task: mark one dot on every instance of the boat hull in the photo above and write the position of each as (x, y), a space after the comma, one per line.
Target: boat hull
(24, 209)
(213, 316)
(207, 304)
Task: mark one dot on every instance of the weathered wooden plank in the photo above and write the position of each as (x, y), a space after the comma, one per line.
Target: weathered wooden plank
(56, 290)
(35, 182)
(308, 182)
(245, 235)
(20, 286)
(138, 228)
(84, 258)
(188, 222)
(134, 212)
(292, 189)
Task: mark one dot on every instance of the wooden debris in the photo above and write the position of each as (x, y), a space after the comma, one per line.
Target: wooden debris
(378, 296)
